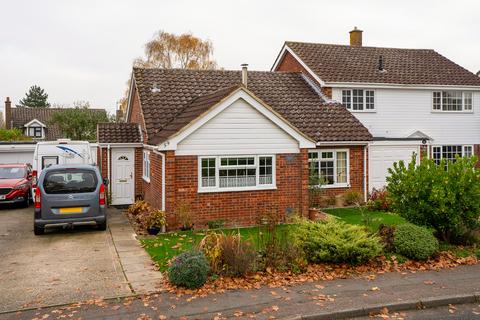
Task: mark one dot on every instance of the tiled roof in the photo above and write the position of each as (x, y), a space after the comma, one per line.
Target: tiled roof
(340, 63)
(23, 115)
(118, 133)
(166, 97)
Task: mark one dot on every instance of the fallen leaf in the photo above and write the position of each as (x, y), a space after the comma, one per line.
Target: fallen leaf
(375, 289)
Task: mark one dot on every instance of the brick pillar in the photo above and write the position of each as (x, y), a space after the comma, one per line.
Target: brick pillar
(170, 185)
(8, 113)
(304, 201)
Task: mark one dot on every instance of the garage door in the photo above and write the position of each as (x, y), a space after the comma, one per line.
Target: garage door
(16, 157)
(382, 157)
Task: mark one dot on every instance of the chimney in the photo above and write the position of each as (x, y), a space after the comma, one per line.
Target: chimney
(381, 66)
(244, 74)
(8, 113)
(356, 38)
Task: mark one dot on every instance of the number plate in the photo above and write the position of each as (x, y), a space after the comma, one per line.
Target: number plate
(2, 197)
(71, 210)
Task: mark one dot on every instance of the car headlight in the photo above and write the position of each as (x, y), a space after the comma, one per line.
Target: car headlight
(20, 186)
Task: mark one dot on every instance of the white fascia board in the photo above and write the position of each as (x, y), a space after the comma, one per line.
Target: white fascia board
(173, 142)
(397, 86)
(342, 143)
(287, 49)
(35, 121)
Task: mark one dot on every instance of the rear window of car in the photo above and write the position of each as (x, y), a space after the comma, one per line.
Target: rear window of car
(70, 181)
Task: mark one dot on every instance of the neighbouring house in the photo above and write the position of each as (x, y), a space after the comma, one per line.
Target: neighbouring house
(34, 123)
(411, 100)
(231, 145)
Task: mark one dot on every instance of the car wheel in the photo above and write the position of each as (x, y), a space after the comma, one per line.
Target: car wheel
(102, 225)
(37, 230)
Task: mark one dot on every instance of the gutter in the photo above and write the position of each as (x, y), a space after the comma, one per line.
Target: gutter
(365, 191)
(108, 172)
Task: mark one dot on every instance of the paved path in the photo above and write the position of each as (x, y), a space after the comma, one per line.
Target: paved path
(317, 298)
(66, 266)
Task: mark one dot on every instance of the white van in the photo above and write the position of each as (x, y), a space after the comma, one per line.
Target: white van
(62, 151)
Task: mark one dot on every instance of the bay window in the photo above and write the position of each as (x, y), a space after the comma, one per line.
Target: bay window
(359, 99)
(230, 173)
(329, 168)
(452, 101)
(450, 152)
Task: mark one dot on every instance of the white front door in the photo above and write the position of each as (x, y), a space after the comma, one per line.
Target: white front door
(382, 157)
(123, 186)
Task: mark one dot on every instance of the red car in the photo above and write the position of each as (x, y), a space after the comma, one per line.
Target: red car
(15, 183)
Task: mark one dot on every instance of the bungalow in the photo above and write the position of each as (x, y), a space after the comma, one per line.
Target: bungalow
(232, 145)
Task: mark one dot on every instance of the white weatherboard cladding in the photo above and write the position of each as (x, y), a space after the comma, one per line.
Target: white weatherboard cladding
(401, 112)
(239, 129)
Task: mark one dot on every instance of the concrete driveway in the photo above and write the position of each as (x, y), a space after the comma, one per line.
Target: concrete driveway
(59, 267)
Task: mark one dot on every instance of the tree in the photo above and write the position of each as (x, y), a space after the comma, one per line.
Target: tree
(185, 51)
(79, 122)
(36, 97)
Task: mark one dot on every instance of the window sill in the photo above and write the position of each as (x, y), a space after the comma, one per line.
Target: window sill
(146, 179)
(338, 185)
(212, 190)
(362, 111)
(451, 111)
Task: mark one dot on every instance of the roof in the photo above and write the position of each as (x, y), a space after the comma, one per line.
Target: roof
(343, 63)
(24, 115)
(172, 98)
(118, 133)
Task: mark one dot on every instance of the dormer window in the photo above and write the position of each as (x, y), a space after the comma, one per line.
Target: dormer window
(359, 99)
(35, 129)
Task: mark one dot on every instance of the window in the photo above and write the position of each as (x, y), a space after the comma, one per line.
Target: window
(359, 99)
(330, 166)
(146, 165)
(47, 161)
(230, 173)
(35, 132)
(452, 101)
(70, 181)
(449, 153)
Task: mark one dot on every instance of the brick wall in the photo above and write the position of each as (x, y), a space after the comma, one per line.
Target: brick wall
(236, 208)
(289, 63)
(152, 191)
(136, 114)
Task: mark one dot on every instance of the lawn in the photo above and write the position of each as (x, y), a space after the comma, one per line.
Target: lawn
(166, 246)
(354, 216)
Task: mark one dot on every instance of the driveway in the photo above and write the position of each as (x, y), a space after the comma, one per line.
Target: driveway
(63, 266)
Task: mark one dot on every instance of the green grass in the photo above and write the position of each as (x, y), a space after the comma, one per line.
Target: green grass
(354, 216)
(168, 245)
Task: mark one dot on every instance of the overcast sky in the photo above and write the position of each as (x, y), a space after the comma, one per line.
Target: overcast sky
(83, 49)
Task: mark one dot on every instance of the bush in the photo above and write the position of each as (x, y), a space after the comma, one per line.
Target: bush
(155, 219)
(387, 234)
(379, 199)
(336, 241)
(189, 270)
(216, 224)
(352, 198)
(432, 195)
(415, 242)
(228, 254)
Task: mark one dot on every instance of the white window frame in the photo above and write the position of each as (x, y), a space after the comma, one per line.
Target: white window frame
(350, 107)
(334, 151)
(218, 166)
(33, 128)
(146, 166)
(452, 111)
(464, 148)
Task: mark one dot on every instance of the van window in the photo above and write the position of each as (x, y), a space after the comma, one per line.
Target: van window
(70, 181)
(47, 161)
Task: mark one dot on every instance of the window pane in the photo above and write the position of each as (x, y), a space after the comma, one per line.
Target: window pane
(369, 99)
(347, 98)
(326, 172)
(327, 155)
(265, 170)
(437, 154)
(468, 102)
(232, 178)
(208, 172)
(451, 100)
(341, 167)
(437, 100)
(357, 99)
(467, 151)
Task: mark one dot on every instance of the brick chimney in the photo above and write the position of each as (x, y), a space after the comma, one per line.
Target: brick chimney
(8, 113)
(356, 37)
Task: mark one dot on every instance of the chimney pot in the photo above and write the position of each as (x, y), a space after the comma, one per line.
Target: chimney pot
(8, 113)
(244, 74)
(356, 37)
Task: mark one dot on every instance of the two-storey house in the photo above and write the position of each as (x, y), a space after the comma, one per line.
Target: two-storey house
(411, 100)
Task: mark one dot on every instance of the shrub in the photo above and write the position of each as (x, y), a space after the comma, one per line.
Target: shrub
(415, 242)
(387, 233)
(379, 199)
(138, 208)
(184, 215)
(352, 198)
(189, 270)
(155, 219)
(336, 241)
(216, 224)
(432, 195)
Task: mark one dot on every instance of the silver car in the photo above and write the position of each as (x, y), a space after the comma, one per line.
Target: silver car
(68, 195)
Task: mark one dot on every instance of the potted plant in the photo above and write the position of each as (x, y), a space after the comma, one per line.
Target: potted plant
(315, 182)
(184, 216)
(156, 221)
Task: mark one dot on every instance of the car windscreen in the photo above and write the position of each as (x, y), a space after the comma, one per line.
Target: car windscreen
(12, 173)
(70, 181)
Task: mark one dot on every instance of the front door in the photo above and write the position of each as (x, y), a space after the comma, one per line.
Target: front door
(123, 187)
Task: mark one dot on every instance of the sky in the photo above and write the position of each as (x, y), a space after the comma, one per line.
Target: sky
(84, 49)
